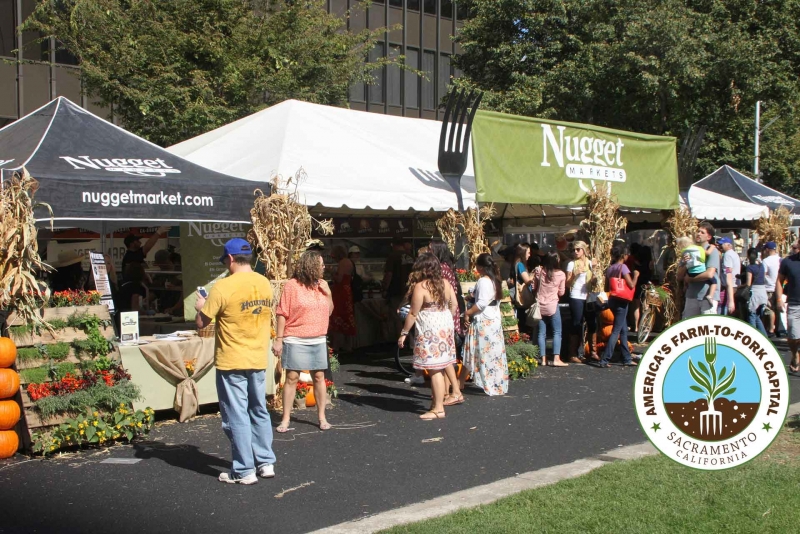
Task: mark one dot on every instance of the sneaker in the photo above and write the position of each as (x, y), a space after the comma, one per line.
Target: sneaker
(266, 471)
(415, 380)
(249, 479)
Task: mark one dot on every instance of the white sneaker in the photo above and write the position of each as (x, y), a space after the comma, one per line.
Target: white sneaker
(249, 479)
(266, 471)
(415, 380)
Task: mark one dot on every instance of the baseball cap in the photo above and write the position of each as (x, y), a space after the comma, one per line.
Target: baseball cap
(771, 245)
(354, 250)
(131, 238)
(235, 246)
(724, 240)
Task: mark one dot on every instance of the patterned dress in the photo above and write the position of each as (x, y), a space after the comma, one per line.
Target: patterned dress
(343, 318)
(485, 348)
(434, 346)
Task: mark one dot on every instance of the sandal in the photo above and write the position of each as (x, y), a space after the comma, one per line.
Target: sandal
(281, 429)
(452, 401)
(630, 364)
(576, 359)
(324, 425)
(594, 357)
(431, 416)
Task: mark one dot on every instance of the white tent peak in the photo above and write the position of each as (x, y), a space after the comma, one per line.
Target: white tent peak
(353, 159)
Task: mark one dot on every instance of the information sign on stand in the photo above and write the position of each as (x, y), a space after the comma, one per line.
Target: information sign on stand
(101, 282)
(129, 328)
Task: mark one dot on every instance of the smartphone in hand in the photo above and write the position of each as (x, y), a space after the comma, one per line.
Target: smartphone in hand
(202, 291)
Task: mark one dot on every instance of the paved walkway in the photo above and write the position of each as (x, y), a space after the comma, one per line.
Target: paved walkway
(378, 457)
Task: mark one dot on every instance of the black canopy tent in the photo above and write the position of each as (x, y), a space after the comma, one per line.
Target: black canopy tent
(91, 170)
(729, 182)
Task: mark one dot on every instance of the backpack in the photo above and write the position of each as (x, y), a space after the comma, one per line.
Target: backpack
(357, 285)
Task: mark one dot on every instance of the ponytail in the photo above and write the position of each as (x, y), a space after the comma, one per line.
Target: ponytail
(486, 262)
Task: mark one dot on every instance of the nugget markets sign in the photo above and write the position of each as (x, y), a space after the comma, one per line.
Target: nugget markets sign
(523, 160)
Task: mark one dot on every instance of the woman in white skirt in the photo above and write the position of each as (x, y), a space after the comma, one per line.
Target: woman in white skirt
(433, 304)
(485, 347)
(302, 325)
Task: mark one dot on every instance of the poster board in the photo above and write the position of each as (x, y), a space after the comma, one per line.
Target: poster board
(101, 281)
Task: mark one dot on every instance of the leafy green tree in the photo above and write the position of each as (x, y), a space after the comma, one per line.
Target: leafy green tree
(173, 69)
(652, 66)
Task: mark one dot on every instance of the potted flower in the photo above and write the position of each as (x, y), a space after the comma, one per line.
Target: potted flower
(467, 279)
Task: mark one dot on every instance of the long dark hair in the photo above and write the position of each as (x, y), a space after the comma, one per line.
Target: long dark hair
(428, 269)
(752, 255)
(550, 265)
(519, 252)
(442, 253)
(486, 262)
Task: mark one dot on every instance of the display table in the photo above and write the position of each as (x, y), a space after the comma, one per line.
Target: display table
(374, 322)
(157, 389)
(150, 327)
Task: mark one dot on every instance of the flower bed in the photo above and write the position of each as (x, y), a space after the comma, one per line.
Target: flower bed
(70, 298)
(464, 275)
(521, 355)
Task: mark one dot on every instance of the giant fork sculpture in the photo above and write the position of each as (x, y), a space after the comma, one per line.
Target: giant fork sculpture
(453, 148)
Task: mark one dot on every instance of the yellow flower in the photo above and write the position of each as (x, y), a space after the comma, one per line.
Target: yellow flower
(95, 414)
(94, 423)
(118, 427)
(81, 432)
(121, 404)
(139, 425)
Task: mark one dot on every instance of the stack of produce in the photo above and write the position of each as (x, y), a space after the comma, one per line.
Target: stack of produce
(9, 409)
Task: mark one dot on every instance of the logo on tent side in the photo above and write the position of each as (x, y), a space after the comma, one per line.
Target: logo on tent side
(153, 168)
(217, 233)
(775, 199)
(587, 158)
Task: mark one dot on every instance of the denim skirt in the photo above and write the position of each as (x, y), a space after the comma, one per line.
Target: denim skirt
(304, 357)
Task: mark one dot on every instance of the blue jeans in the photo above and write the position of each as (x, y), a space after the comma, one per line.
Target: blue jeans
(620, 330)
(552, 322)
(245, 419)
(754, 318)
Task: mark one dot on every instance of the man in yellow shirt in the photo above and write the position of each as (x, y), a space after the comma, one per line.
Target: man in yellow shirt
(240, 305)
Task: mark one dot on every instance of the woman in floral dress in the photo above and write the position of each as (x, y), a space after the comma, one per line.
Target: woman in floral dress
(485, 348)
(433, 304)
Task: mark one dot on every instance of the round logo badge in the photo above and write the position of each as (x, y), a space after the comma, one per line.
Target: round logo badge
(711, 392)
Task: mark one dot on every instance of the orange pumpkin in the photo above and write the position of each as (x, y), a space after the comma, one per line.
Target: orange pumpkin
(9, 443)
(9, 383)
(310, 400)
(8, 352)
(9, 414)
(605, 332)
(606, 317)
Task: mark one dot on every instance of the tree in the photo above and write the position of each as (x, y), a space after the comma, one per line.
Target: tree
(651, 66)
(173, 69)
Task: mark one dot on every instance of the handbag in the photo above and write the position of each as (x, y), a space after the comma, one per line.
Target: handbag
(620, 289)
(534, 314)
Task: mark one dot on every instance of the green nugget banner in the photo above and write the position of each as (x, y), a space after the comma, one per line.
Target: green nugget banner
(522, 160)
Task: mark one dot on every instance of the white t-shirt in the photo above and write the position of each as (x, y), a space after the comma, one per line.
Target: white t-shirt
(578, 289)
(731, 264)
(484, 293)
(771, 265)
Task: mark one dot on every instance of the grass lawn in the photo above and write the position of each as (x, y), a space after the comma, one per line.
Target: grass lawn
(651, 495)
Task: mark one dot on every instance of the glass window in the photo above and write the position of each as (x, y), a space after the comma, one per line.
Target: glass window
(428, 62)
(412, 80)
(376, 89)
(7, 33)
(64, 57)
(357, 92)
(430, 7)
(447, 9)
(393, 78)
(444, 75)
(413, 5)
(462, 11)
(396, 3)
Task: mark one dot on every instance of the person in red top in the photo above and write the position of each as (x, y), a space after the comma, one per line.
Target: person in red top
(343, 320)
(302, 323)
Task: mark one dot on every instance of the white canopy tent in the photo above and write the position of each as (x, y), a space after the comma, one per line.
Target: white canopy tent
(705, 204)
(354, 160)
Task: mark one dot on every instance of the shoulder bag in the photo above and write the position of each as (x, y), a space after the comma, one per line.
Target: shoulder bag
(534, 314)
(620, 289)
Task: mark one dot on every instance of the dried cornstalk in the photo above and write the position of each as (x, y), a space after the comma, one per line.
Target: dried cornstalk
(19, 251)
(282, 225)
(679, 223)
(474, 223)
(775, 228)
(450, 226)
(602, 224)
(470, 224)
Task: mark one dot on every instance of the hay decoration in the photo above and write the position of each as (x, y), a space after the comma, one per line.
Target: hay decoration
(602, 224)
(19, 251)
(470, 225)
(678, 223)
(776, 228)
(282, 225)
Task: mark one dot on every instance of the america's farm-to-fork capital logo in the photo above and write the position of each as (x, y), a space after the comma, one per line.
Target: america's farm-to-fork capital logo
(711, 392)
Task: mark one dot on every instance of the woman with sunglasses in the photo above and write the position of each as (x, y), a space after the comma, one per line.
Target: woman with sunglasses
(579, 274)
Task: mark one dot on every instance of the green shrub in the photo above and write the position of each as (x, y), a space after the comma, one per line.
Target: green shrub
(521, 360)
(28, 354)
(506, 307)
(100, 396)
(35, 375)
(509, 321)
(58, 351)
